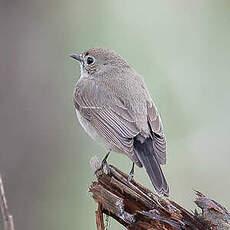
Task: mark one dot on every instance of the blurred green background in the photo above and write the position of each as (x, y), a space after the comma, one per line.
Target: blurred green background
(182, 48)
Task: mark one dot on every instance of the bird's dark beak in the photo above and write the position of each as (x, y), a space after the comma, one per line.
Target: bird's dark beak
(76, 57)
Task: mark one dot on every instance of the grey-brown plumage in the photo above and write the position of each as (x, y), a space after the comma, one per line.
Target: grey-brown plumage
(114, 107)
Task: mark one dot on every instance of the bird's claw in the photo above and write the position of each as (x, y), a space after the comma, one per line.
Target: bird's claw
(131, 174)
(130, 177)
(105, 163)
(107, 167)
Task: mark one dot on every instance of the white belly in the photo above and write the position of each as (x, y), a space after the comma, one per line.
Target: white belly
(92, 132)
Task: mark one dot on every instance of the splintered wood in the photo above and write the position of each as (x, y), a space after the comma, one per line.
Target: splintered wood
(136, 207)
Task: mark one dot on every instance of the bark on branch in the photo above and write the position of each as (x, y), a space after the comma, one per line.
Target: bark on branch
(8, 222)
(137, 208)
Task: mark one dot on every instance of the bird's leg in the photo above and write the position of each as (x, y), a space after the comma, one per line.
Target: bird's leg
(105, 163)
(131, 173)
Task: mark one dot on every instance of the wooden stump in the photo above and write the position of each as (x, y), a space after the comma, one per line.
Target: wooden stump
(136, 207)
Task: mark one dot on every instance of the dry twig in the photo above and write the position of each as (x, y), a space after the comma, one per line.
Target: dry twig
(8, 223)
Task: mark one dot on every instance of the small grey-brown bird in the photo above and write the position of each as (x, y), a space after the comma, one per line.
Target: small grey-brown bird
(115, 108)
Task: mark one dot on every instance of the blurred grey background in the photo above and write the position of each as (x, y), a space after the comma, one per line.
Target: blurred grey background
(182, 48)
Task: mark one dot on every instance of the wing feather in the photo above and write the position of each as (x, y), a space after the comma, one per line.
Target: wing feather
(158, 134)
(113, 122)
(116, 122)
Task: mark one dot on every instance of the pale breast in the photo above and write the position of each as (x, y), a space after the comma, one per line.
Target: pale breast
(92, 132)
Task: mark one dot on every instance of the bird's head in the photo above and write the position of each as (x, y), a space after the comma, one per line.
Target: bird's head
(99, 60)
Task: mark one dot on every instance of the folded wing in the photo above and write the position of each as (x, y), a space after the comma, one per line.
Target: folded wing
(113, 122)
(159, 140)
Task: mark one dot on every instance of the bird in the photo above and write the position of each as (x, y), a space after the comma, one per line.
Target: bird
(115, 109)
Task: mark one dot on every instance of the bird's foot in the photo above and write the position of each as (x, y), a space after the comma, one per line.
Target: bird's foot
(131, 174)
(130, 177)
(107, 167)
(105, 164)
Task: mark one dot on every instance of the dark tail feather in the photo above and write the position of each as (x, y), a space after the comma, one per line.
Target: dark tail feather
(146, 155)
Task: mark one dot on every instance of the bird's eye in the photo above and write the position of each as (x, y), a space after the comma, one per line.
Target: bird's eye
(90, 60)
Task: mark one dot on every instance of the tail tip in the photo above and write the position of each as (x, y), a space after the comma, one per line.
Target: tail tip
(163, 191)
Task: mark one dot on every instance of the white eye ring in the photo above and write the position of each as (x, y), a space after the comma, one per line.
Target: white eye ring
(90, 60)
